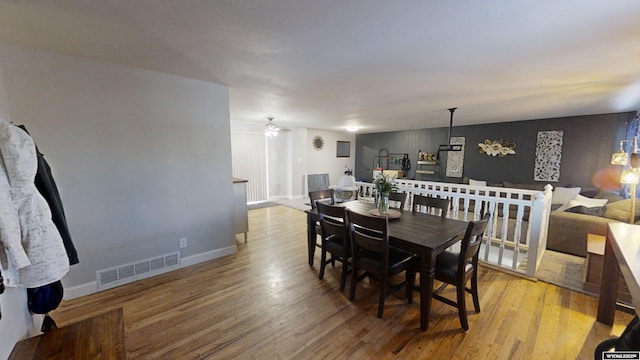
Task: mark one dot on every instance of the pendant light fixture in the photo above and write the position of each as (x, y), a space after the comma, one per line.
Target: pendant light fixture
(449, 146)
(270, 130)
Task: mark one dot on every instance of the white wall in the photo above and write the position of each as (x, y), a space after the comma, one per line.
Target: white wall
(141, 160)
(325, 161)
(291, 156)
(299, 162)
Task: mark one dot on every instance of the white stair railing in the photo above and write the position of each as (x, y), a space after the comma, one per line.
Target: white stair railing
(516, 234)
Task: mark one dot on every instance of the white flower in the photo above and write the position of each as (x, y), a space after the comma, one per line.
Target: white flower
(484, 148)
(497, 148)
(506, 151)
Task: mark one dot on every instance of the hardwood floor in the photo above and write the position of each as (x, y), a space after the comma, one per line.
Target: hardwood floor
(266, 302)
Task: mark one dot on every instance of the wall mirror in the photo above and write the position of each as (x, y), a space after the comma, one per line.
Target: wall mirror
(343, 149)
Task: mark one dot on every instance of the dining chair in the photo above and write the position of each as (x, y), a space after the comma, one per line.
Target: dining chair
(458, 268)
(370, 252)
(335, 239)
(326, 196)
(430, 204)
(399, 198)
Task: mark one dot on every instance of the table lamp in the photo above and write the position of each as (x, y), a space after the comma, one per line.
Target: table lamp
(631, 177)
(621, 157)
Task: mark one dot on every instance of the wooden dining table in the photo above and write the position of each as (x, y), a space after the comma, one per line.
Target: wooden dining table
(423, 234)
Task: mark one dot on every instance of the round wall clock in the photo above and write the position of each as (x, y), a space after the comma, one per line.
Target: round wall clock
(318, 142)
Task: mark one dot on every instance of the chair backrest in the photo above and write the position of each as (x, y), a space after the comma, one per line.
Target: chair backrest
(326, 195)
(317, 182)
(471, 243)
(430, 203)
(333, 221)
(371, 234)
(398, 197)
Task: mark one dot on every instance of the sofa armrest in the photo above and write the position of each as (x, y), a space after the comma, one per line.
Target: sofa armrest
(568, 231)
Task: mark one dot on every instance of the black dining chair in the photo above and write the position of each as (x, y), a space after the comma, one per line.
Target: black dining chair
(398, 199)
(335, 239)
(370, 252)
(326, 196)
(458, 268)
(430, 204)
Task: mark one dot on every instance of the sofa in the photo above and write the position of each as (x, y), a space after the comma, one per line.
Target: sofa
(570, 220)
(568, 230)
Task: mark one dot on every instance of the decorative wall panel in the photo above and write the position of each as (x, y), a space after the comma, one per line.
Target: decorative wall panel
(548, 156)
(455, 159)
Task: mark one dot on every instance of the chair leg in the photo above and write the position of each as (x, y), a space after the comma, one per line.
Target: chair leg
(474, 292)
(383, 293)
(343, 276)
(411, 281)
(323, 263)
(354, 280)
(462, 307)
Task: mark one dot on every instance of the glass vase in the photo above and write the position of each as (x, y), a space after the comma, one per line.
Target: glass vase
(383, 202)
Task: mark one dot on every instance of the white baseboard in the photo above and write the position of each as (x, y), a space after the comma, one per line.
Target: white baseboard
(287, 197)
(77, 291)
(91, 287)
(206, 256)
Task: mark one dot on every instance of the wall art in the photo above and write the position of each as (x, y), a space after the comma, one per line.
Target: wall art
(455, 159)
(548, 156)
(498, 148)
(317, 142)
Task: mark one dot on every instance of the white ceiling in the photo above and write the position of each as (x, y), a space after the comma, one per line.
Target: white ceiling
(378, 64)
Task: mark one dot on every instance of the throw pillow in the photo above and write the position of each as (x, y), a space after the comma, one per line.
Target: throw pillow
(609, 195)
(477, 182)
(588, 202)
(621, 211)
(562, 195)
(581, 209)
(580, 200)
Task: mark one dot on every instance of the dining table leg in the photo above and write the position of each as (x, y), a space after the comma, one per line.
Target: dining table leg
(311, 237)
(427, 276)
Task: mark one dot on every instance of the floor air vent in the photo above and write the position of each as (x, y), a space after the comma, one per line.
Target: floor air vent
(126, 273)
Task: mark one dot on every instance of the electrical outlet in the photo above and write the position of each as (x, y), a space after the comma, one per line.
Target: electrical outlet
(183, 243)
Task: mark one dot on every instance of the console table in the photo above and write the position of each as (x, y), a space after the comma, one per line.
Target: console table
(622, 247)
(99, 337)
(593, 273)
(240, 215)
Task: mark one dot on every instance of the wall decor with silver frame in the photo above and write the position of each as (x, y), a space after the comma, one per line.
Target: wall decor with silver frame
(548, 156)
(455, 159)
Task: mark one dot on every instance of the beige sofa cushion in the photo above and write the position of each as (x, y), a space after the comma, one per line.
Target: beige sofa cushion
(567, 232)
(621, 211)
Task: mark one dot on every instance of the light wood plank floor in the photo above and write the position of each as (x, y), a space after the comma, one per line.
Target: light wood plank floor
(265, 302)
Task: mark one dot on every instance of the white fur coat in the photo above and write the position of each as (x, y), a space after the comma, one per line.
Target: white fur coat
(31, 250)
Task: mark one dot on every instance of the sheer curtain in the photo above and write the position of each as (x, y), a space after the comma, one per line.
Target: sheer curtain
(249, 161)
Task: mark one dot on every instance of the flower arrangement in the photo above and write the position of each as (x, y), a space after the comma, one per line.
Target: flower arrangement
(385, 184)
(498, 148)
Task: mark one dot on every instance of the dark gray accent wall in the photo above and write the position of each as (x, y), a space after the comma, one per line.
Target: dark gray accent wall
(588, 142)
